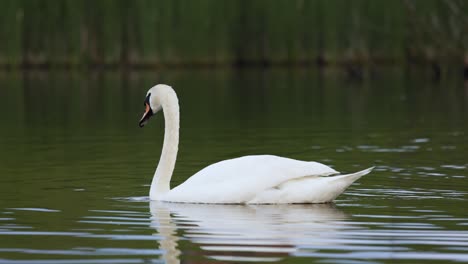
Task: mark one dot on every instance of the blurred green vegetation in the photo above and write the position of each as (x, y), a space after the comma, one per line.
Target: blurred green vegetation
(212, 32)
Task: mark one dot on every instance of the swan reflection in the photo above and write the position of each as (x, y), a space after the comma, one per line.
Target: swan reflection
(246, 232)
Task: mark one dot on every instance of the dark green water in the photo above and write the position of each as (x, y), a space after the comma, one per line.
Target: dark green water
(75, 168)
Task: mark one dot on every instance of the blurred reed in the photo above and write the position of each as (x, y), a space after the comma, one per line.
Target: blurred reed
(146, 33)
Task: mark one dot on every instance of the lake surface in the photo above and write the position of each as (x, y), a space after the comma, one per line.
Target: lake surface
(75, 167)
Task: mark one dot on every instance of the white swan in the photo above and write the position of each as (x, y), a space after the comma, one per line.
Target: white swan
(261, 179)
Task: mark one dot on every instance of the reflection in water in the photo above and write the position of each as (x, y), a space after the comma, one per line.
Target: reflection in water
(245, 232)
(69, 142)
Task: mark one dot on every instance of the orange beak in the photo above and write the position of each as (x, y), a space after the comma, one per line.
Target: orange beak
(146, 115)
(147, 109)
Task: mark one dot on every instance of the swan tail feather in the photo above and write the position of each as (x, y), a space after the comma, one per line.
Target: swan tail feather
(336, 185)
(352, 177)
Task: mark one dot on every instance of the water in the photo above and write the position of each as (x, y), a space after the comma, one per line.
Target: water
(75, 168)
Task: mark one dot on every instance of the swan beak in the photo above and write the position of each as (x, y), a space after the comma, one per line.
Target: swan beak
(146, 115)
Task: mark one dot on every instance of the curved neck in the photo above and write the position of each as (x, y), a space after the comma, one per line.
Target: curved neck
(163, 174)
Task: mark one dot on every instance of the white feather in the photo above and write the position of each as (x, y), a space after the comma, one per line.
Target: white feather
(261, 179)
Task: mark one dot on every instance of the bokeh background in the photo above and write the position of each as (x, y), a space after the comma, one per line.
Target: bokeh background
(147, 33)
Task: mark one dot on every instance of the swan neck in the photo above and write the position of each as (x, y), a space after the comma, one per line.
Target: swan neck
(163, 174)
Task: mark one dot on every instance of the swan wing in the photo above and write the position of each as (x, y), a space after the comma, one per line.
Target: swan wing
(241, 180)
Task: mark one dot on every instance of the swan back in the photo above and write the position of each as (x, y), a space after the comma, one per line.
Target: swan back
(240, 180)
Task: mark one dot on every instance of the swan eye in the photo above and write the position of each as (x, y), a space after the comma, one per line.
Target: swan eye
(147, 99)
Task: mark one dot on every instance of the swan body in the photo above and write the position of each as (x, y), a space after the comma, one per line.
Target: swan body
(257, 179)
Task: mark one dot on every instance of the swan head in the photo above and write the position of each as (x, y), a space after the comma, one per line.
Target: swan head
(152, 103)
